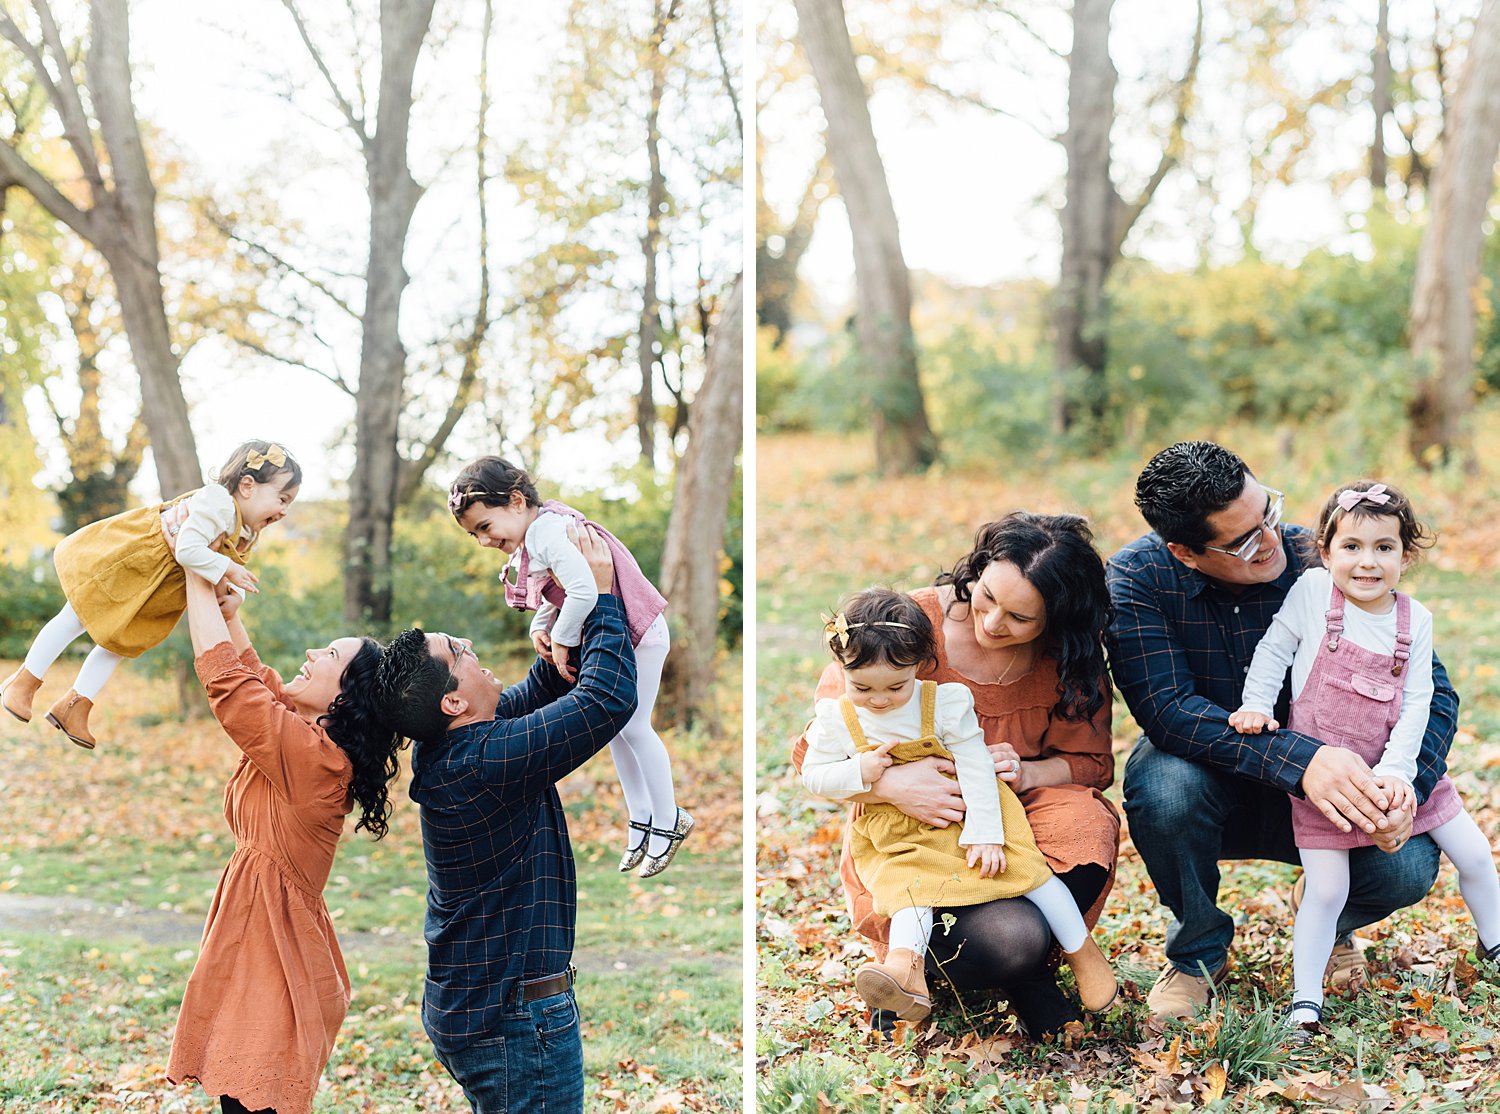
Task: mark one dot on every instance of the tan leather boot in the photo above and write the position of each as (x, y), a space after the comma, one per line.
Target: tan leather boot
(1097, 987)
(1180, 995)
(17, 693)
(899, 985)
(70, 715)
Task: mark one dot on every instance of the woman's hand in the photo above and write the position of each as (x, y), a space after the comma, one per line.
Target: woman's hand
(874, 763)
(1008, 766)
(925, 790)
(990, 858)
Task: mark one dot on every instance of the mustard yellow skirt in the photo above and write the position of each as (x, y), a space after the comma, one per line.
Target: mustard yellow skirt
(906, 863)
(122, 580)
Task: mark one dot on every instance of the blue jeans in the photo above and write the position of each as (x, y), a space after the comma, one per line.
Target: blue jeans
(1186, 817)
(533, 1064)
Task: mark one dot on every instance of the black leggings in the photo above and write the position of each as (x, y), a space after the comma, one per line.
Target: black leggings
(231, 1105)
(1003, 945)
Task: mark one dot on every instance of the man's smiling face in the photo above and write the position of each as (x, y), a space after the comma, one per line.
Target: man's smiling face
(478, 688)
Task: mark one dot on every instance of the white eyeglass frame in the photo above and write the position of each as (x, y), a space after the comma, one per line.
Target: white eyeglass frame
(1250, 548)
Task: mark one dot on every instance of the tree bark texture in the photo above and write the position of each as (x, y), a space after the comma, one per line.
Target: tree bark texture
(700, 509)
(904, 442)
(776, 271)
(656, 202)
(1380, 71)
(1442, 311)
(121, 220)
(1089, 245)
(393, 194)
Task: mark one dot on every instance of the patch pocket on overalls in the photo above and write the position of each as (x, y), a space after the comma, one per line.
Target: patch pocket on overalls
(1355, 706)
(557, 1019)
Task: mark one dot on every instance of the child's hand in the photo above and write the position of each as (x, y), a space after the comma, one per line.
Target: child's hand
(873, 763)
(560, 659)
(1399, 795)
(542, 641)
(990, 858)
(242, 578)
(228, 599)
(1251, 723)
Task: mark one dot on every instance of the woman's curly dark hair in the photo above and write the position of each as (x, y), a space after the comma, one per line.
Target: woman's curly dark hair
(353, 722)
(1056, 555)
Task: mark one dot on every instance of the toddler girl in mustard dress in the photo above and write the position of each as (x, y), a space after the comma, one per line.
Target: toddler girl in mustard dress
(124, 577)
(886, 716)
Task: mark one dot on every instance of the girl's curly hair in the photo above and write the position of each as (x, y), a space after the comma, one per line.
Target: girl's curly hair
(353, 722)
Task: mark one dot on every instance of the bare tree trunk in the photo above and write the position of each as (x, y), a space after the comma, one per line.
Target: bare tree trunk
(121, 224)
(776, 267)
(1381, 99)
(904, 442)
(656, 201)
(393, 194)
(700, 507)
(1087, 218)
(1442, 310)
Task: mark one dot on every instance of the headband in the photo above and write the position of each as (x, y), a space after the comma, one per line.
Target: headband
(836, 630)
(1349, 498)
(457, 498)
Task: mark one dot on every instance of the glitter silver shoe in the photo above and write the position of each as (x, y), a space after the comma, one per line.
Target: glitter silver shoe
(655, 864)
(633, 855)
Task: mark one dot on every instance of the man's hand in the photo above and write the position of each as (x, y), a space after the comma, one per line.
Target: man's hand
(1395, 837)
(241, 578)
(924, 790)
(560, 660)
(596, 553)
(1339, 784)
(542, 641)
(874, 763)
(989, 857)
(1247, 722)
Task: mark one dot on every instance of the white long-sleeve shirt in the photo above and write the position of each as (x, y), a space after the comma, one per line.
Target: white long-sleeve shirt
(548, 550)
(210, 514)
(830, 767)
(1297, 632)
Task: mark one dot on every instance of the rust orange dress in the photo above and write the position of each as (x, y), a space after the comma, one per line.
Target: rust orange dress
(269, 991)
(1074, 824)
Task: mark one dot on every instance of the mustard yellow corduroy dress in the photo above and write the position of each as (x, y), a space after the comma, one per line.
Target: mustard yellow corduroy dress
(907, 863)
(122, 580)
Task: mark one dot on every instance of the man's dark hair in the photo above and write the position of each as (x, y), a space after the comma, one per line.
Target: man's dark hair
(413, 684)
(1183, 485)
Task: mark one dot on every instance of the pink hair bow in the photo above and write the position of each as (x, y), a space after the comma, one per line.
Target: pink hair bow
(1349, 498)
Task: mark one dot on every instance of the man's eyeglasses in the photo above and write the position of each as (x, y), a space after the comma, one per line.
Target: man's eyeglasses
(1248, 547)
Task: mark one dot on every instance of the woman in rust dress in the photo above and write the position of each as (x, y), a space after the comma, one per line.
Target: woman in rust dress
(1019, 620)
(268, 993)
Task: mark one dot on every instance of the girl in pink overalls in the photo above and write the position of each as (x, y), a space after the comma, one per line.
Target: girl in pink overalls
(498, 505)
(1361, 660)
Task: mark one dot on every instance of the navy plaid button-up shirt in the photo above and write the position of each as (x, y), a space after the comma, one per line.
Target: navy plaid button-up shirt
(1179, 650)
(501, 892)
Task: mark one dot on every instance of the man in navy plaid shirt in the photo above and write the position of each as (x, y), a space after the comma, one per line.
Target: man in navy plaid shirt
(1192, 600)
(501, 898)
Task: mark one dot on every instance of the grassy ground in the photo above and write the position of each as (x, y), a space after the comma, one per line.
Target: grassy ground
(1423, 1038)
(108, 862)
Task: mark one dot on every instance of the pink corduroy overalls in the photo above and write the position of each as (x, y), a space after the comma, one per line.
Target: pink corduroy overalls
(643, 603)
(1352, 699)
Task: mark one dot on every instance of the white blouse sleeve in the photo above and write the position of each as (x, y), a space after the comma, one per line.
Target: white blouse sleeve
(830, 768)
(1273, 657)
(547, 542)
(210, 514)
(959, 730)
(1400, 757)
(546, 615)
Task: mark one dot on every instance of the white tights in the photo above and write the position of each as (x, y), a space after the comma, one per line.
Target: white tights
(641, 761)
(912, 928)
(1327, 889)
(54, 638)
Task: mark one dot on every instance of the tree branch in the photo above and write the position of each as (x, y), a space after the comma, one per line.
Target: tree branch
(230, 232)
(887, 66)
(355, 121)
(18, 170)
(261, 350)
(734, 100)
(69, 103)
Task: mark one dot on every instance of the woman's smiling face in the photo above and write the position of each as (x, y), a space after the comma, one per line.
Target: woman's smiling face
(1007, 609)
(322, 676)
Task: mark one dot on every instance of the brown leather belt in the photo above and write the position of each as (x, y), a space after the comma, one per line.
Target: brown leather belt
(533, 990)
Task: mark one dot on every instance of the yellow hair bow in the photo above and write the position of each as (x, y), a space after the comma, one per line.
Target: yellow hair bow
(274, 455)
(836, 630)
